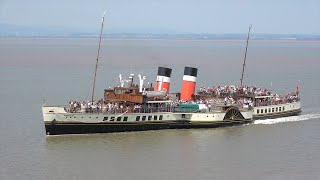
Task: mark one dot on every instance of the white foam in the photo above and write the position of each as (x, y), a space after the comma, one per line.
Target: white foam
(288, 119)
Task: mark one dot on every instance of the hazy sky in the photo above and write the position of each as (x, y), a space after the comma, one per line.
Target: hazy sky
(177, 16)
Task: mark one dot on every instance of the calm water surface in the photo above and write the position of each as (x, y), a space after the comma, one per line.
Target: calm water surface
(57, 70)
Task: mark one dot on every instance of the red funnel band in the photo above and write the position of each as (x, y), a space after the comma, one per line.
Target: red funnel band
(163, 83)
(162, 86)
(188, 89)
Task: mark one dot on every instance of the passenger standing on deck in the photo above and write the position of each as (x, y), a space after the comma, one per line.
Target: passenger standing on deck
(121, 108)
(75, 106)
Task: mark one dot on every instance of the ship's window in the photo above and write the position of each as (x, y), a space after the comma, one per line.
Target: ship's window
(89, 117)
(51, 111)
(143, 118)
(276, 109)
(266, 110)
(258, 111)
(272, 109)
(149, 118)
(261, 110)
(112, 119)
(118, 118)
(283, 108)
(105, 118)
(125, 118)
(137, 118)
(96, 117)
(183, 115)
(155, 117)
(269, 110)
(160, 117)
(279, 108)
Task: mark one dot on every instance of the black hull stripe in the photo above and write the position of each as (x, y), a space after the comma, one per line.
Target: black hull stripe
(86, 128)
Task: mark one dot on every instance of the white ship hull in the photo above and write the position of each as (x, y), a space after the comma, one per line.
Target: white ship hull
(59, 121)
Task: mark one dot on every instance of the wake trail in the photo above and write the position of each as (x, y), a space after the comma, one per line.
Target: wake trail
(289, 119)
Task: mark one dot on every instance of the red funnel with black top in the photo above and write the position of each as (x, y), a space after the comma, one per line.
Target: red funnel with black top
(188, 83)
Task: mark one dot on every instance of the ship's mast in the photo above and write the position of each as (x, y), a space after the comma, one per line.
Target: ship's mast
(245, 55)
(98, 54)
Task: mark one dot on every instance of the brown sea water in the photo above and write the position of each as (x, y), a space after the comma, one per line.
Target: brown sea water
(57, 70)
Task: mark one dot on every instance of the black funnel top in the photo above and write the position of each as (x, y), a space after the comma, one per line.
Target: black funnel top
(191, 71)
(163, 71)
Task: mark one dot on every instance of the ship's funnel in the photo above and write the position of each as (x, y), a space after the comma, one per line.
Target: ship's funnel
(188, 83)
(163, 79)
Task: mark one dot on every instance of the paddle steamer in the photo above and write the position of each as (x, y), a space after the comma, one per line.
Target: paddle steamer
(132, 107)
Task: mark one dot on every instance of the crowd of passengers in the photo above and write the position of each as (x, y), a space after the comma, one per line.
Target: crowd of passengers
(233, 90)
(100, 106)
(222, 95)
(277, 99)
